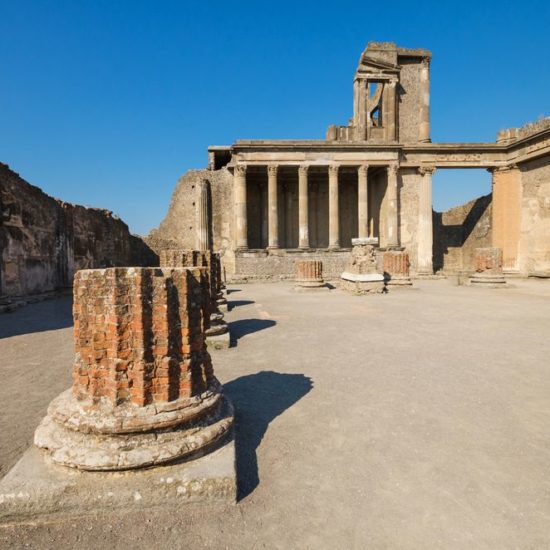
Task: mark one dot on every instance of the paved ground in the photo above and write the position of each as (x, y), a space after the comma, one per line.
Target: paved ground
(419, 419)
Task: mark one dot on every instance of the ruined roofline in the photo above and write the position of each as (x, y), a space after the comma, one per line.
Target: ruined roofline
(392, 46)
(527, 130)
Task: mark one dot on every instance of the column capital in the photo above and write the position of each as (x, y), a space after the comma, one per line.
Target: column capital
(393, 168)
(303, 169)
(502, 168)
(425, 62)
(333, 169)
(272, 169)
(426, 170)
(362, 169)
(240, 170)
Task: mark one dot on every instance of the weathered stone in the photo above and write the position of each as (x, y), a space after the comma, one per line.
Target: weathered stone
(309, 275)
(488, 268)
(362, 275)
(396, 268)
(144, 392)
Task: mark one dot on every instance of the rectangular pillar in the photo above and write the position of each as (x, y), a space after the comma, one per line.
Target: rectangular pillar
(272, 206)
(424, 126)
(333, 212)
(239, 192)
(425, 222)
(363, 201)
(303, 220)
(392, 220)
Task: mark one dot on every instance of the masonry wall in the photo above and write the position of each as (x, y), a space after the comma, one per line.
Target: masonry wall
(534, 244)
(409, 100)
(458, 231)
(409, 182)
(44, 241)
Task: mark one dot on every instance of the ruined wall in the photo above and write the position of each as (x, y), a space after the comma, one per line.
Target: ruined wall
(458, 231)
(534, 244)
(43, 241)
(409, 100)
(178, 229)
(409, 182)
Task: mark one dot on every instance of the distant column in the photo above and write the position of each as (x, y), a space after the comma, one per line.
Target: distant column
(303, 221)
(333, 218)
(424, 126)
(363, 201)
(391, 107)
(392, 215)
(241, 230)
(202, 235)
(425, 224)
(273, 209)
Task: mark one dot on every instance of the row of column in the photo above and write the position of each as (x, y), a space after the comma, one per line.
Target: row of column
(392, 235)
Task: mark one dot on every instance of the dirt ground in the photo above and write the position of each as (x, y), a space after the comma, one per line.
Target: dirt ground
(417, 419)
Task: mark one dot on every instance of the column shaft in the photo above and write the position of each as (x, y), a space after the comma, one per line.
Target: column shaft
(363, 201)
(333, 212)
(392, 223)
(273, 210)
(424, 126)
(303, 219)
(202, 233)
(241, 228)
(425, 224)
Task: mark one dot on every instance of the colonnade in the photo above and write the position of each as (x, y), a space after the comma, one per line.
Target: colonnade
(392, 213)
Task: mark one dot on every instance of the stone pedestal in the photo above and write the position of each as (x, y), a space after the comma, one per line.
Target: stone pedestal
(396, 268)
(217, 331)
(362, 275)
(488, 268)
(144, 392)
(309, 276)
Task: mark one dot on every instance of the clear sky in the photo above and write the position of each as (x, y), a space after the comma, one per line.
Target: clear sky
(107, 102)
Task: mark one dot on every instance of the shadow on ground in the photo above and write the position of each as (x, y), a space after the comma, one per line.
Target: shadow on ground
(238, 303)
(258, 399)
(49, 315)
(242, 327)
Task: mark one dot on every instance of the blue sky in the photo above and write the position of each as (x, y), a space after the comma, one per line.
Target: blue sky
(107, 103)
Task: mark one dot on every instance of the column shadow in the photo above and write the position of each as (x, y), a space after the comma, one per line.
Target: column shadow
(258, 399)
(237, 303)
(242, 327)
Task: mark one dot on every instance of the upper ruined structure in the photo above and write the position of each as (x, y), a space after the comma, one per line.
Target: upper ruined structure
(391, 96)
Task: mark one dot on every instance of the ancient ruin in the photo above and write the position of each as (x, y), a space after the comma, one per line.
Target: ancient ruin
(272, 202)
(488, 269)
(217, 332)
(144, 394)
(362, 274)
(309, 276)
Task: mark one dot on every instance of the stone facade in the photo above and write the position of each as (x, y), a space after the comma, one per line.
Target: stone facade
(44, 241)
(272, 202)
(144, 390)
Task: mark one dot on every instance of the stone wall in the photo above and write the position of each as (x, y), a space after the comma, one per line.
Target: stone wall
(44, 241)
(458, 232)
(534, 242)
(178, 229)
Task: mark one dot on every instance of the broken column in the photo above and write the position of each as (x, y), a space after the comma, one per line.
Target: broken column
(217, 331)
(488, 268)
(362, 276)
(309, 275)
(396, 268)
(144, 391)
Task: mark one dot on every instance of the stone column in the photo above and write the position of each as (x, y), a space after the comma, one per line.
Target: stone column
(144, 391)
(390, 108)
(488, 268)
(303, 220)
(424, 126)
(273, 209)
(333, 213)
(202, 235)
(309, 275)
(241, 228)
(425, 225)
(363, 200)
(392, 220)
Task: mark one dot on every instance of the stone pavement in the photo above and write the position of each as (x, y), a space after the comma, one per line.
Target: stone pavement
(417, 419)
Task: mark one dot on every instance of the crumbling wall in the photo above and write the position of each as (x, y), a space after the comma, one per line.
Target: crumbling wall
(178, 229)
(43, 241)
(534, 245)
(457, 232)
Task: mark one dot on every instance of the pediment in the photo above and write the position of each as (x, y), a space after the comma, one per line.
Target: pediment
(369, 64)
